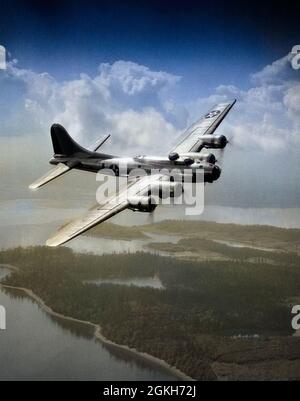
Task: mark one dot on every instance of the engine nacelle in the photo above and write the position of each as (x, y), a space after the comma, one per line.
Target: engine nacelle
(173, 156)
(166, 189)
(145, 204)
(211, 172)
(205, 157)
(214, 141)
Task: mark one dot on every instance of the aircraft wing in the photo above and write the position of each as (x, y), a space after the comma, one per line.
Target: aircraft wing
(59, 170)
(99, 213)
(205, 126)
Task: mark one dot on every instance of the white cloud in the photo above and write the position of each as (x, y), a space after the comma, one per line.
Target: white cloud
(292, 99)
(135, 104)
(132, 78)
(278, 71)
(148, 130)
(267, 115)
(124, 98)
(139, 107)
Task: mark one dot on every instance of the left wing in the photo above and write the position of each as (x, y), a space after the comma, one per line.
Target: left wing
(99, 213)
(205, 126)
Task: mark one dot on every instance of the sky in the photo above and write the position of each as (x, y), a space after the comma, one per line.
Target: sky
(205, 43)
(143, 71)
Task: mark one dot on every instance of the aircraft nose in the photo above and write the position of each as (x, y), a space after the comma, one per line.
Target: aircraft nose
(223, 141)
(216, 172)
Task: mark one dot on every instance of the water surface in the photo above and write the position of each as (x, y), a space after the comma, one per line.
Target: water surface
(38, 346)
(142, 282)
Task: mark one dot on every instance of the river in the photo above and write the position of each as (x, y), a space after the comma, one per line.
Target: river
(142, 282)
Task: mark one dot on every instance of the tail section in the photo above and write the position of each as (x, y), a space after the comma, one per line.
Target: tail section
(66, 147)
(63, 144)
(68, 154)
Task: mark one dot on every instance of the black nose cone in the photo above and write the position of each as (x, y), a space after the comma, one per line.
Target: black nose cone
(216, 172)
(223, 141)
(211, 158)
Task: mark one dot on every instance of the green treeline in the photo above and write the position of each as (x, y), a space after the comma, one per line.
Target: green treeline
(202, 300)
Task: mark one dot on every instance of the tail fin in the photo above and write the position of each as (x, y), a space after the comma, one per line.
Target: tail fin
(62, 142)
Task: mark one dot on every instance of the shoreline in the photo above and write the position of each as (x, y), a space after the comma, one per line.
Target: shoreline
(98, 332)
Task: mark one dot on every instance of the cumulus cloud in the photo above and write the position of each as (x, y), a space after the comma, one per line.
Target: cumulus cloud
(267, 114)
(278, 71)
(124, 98)
(137, 106)
(148, 130)
(131, 78)
(292, 98)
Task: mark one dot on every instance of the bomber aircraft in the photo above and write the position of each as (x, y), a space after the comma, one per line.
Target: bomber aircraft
(186, 155)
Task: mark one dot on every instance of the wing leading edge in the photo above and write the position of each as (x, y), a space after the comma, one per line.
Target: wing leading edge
(100, 213)
(205, 126)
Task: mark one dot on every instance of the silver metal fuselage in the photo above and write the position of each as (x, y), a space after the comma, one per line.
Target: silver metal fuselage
(147, 163)
(122, 166)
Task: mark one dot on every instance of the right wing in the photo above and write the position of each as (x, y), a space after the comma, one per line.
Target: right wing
(205, 126)
(99, 213)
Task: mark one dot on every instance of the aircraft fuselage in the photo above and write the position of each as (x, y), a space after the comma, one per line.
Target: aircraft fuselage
(122, 166)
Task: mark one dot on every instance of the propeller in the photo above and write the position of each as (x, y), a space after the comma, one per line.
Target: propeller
(150, 218)
(222, 151)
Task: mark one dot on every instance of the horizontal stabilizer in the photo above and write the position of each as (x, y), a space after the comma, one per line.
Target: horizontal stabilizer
(59, 170)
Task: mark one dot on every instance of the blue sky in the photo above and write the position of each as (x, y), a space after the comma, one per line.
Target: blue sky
(145, 70)
(207, 43)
